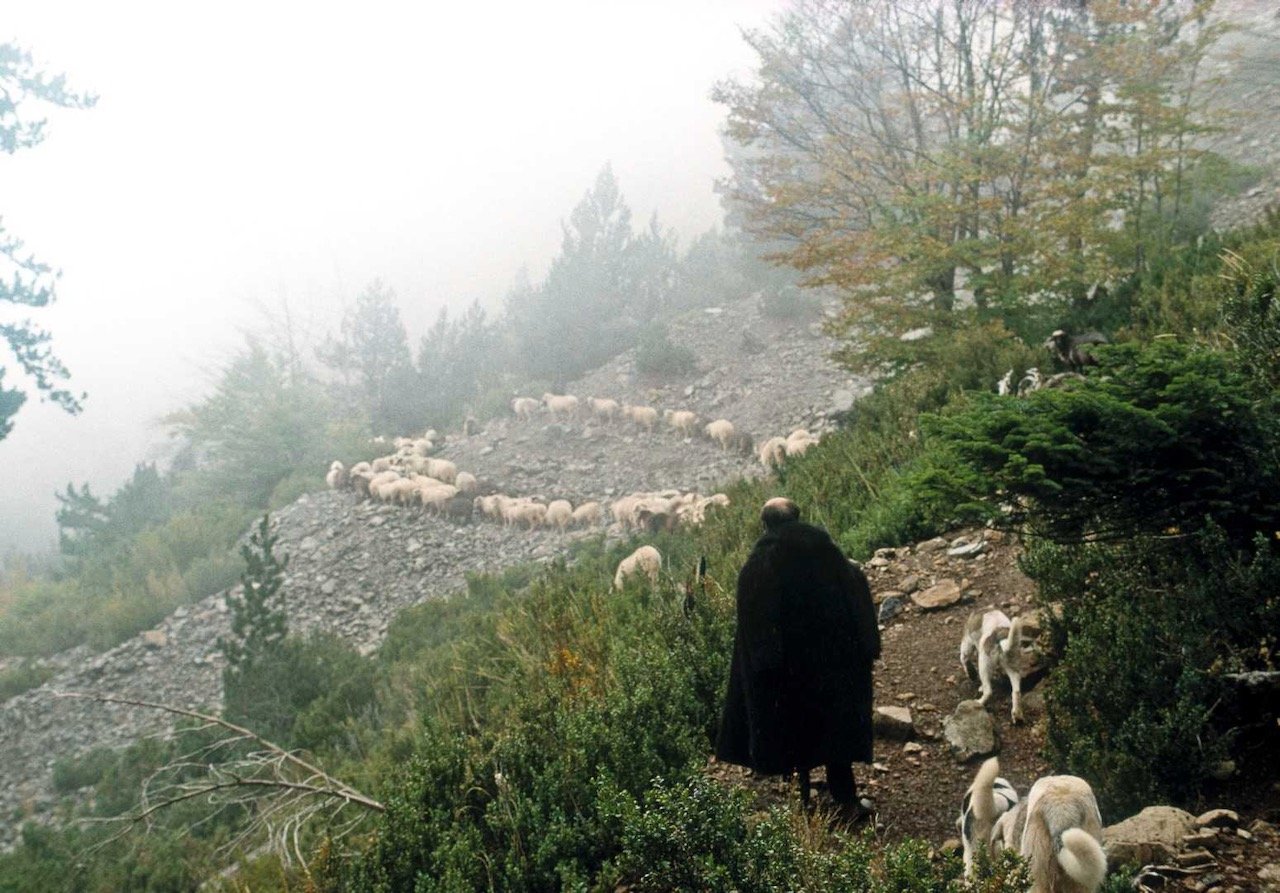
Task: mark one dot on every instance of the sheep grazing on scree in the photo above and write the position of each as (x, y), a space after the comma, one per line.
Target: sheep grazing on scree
(721, 431)
(681, 420)
(561, 405)
(604, 409)
(525, 407)
(337, 476)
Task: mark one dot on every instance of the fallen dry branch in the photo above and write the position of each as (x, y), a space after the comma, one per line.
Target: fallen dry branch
(281, 790)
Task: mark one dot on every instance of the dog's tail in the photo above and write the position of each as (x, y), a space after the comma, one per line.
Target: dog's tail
(1082, 858)
(983, 799)
(1012, 644)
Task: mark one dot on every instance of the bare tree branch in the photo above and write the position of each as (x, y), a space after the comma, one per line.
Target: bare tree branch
(280, 790)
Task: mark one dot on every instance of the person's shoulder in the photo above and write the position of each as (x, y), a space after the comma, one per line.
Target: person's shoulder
(806, 536)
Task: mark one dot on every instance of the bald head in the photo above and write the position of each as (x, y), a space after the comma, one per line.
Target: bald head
(779, 511)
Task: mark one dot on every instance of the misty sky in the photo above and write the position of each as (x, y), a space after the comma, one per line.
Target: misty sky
(244, 153)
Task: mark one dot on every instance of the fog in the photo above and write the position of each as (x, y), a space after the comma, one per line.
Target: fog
(245, 154)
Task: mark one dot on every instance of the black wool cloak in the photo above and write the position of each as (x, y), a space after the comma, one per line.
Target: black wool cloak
(800, 690)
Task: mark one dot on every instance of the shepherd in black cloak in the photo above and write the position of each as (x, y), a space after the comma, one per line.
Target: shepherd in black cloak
(800, 691)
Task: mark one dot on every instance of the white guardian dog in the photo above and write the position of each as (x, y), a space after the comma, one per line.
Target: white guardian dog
(1057, 829)
(993, 644)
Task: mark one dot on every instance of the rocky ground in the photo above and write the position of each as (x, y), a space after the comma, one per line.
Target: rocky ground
(768, 383)
(1244, 77)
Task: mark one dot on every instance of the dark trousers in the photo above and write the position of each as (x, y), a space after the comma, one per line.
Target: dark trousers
(839, 782)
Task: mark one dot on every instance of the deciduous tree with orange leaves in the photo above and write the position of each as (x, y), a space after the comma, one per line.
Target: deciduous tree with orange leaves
(934, 156)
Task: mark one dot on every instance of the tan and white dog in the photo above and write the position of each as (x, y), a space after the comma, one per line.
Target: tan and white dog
(1057, 829)
(994, 644)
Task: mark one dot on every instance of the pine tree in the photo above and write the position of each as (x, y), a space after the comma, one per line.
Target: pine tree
(24, 280)
(259, 620)
(372, 355)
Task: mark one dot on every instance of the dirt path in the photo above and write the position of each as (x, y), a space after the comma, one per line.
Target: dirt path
(917, 786)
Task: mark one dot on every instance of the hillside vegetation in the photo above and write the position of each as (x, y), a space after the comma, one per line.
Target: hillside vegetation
(543, 731)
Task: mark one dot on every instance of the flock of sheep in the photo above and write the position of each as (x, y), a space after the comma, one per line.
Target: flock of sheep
(565, 407)
(409, 476)
(412, 476)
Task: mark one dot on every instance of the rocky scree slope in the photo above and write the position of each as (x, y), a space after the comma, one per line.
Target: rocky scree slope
(354, 564)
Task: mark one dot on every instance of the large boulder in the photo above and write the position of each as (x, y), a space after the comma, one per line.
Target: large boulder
(1152, 836)
(970, 732)
(942, 594)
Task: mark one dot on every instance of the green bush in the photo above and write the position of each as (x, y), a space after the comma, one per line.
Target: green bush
(790, 302)
(1147, 627)
(695, 836)
(24, 677)
(657, 355)
(73, 773)
(1163, 436)
(863, 482)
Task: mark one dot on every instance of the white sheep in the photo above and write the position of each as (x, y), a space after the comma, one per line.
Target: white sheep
(466, 482)
(533, 513)
(721, 431)
(522, 510)
(508, 509)
(381, 464)
(404, 491)
(772, 453)
(487, 505)
(414, 464)
(587, 514)
(799, 441)
(623, 510)
(442, 469)
(337, 476)
(644, 416)
(559, 514)
(382, 486)
(525, 407)
(435, 496)
(695, 512)
(681, 420)
(603, 408)
(561, 404)
(646, 560)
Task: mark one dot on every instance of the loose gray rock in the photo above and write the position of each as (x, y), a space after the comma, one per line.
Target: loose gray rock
(970, 732)
(937, 544)
(893, 722)
(967, 549)
(1218, 818)
(890, 608)
(1152, 836)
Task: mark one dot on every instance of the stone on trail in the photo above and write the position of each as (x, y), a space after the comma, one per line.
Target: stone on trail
(970, 732)
(942, 594)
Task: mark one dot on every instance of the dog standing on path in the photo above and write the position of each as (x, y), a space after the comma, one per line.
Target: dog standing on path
(994, 643)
